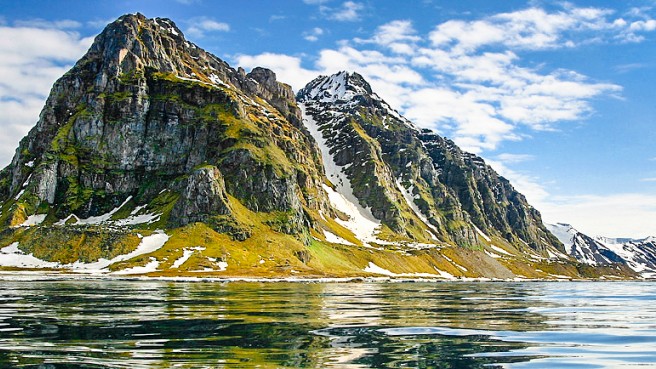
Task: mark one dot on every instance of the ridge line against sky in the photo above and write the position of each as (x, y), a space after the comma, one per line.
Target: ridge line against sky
(553, 95)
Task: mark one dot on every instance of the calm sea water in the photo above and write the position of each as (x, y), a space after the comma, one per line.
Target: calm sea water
(153, 324)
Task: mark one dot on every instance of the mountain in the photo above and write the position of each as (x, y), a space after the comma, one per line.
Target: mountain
(147, 128)
(426, 188)
(153, 156)
(639, 255)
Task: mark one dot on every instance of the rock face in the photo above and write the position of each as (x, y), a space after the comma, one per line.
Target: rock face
(141, 112)
(490, 201)
(416, 182)
(639, 255)
(202, 194)
(148, 133)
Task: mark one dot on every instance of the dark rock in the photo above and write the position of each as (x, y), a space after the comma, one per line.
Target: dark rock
(202, 194)
(141, 111)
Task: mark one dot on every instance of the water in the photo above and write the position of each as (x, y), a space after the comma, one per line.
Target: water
(154, 324)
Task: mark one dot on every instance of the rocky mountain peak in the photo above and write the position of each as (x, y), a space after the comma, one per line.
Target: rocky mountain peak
(637, 255)
(262, 82)
(409, 177)
(339, 87)
(145, 113)
(349, 93)
(133, 43)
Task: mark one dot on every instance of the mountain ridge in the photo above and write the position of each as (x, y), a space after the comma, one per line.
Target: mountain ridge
(150, 135)
(639, 255)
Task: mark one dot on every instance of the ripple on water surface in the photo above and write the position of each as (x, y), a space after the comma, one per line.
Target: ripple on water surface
(155, 324)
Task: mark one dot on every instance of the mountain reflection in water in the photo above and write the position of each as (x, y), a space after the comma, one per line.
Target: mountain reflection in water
(158, 324)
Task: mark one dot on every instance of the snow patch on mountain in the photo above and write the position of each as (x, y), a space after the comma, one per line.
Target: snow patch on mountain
(104, 217)
(335, 88)
(375, 269)
(347, 89)
(482, 234)
(333, 238)
(639, 255)
(500, 250)
(33, 220)
(409, 199)
(186, 254)
(564, 233)
(151, 266)
(361, 221)
(12, 256)
(147, 245)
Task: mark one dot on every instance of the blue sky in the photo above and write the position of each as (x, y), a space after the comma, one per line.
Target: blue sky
(557, 96)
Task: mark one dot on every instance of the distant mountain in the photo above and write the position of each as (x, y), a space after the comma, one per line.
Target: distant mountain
(153, 156)
(638, 254)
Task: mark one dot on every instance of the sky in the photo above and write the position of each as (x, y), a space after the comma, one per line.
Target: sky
(556, 96)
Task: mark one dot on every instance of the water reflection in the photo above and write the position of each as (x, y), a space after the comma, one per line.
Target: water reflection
(147, 324)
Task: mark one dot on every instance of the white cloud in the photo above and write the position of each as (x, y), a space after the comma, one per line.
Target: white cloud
(481, 58)
(287, 68)
(648, 25)
(537, 29)
(18, 116)
(349, 11)
(399, 36)
(42, 23)
(467, 35)
(313, 34)
(615, 215)
(508, 158)
(31, 59)
(479, 93)
(199, 27)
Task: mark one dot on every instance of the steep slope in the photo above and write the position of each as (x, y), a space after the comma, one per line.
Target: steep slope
(416, 183)
(582, 247)
(638, 255)
(490, 201)
(149, 130)
(152, 156)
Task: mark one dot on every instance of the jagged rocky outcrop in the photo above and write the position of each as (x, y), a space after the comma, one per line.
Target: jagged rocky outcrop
(140, 112)
(151, 154)
(637, 254)
(490, 201)
(421, 178)
(202, 194)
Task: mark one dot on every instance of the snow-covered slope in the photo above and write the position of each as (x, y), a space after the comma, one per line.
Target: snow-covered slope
(364, 184)
(348, 90)
(639, 255)
(12, 256)
(361, 222)
(403, 184)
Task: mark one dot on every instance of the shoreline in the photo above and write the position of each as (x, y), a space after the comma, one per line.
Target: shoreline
(40, 276)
